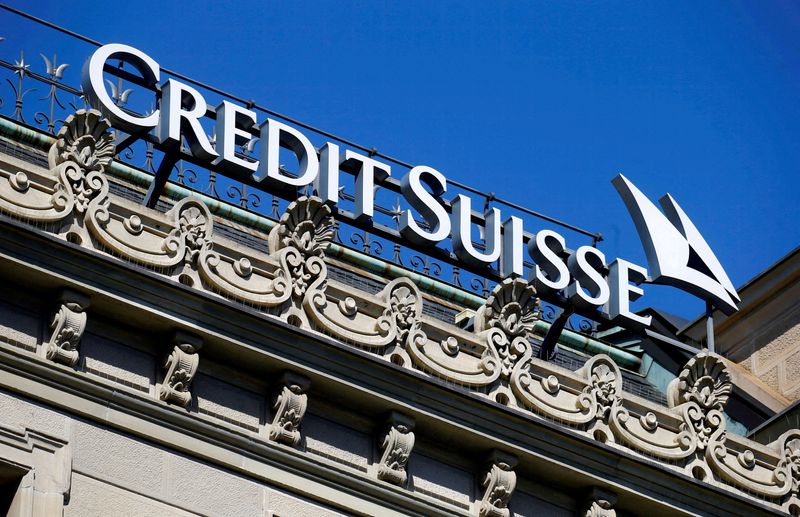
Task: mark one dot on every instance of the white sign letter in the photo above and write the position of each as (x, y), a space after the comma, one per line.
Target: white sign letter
(550, 272)
(426, 203)
(95, 89)
(511, 258)
(327, 182)
(586, 265)
(275, 135)
(183, 107)
(620, 274)
(367, 170)
(462, 233)
(234, 122)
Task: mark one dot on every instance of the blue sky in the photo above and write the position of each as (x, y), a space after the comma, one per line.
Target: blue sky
(541, 102)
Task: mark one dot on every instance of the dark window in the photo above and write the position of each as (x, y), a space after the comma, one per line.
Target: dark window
(10, 478)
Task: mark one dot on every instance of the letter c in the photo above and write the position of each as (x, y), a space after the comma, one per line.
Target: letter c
(97, 95)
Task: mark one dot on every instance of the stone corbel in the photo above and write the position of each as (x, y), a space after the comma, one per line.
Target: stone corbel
(68, 325)
(181, 367)
(396, 445)
(498, 485)
(599, 503)
(289, 406)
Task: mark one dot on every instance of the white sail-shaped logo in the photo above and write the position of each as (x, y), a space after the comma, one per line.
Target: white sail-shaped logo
(676, 253)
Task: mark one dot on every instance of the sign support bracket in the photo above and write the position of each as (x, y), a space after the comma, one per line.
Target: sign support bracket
(710, 327)
(160, 180)
(550, 341)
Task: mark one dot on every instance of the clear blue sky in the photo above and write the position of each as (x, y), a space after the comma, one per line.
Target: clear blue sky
(540, 102)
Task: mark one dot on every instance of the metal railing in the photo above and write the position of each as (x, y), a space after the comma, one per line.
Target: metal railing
(379, 237)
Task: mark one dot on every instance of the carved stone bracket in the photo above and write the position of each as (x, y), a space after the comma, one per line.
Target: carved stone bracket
(68, 325)
(599, 503)
(498, 485)
(181, 367)
(289, 407)
(396, 446)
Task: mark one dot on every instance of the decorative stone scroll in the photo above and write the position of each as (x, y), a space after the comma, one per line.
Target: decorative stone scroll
(137, 236)
(600, 503)
(75, 184)
(181, 367)
(396, 446)
(303, 234)
(498, 485)
(68, 325)
(289, 408)
(506, 320)
(400, 306)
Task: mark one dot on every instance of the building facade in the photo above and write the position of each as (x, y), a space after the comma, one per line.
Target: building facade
(168, 351)
(185, 360)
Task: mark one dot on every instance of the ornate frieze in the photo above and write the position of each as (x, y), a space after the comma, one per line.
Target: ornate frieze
(67, 325)
(396, 445)
(289, 407)
(498, 485)
(180, 369)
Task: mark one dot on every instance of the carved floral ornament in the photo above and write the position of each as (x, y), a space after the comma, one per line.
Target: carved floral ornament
(288, 278)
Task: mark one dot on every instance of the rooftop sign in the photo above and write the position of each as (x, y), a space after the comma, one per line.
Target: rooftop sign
(676, 252)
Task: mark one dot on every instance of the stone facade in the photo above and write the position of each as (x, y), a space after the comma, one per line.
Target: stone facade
(764, 336)
(149, 360)
(777, 361)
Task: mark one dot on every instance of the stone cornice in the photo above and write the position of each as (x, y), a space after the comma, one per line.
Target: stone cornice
(354, 374)
(474, 380)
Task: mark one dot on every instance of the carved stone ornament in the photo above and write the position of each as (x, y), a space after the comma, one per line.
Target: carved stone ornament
(705, 381)
(396, 446)
(84, 140)
(701, 391)
(75, 182)
(505, 321)
(141, 236)
(512, 307)
(307, 225)
(68, 325)
(194, 230)
(605, 386)
(498, 485)
(600, 503)
(788, 469)
(181, 367)
(303, 234)
(289, 408)
(579, 400)
(400, 303)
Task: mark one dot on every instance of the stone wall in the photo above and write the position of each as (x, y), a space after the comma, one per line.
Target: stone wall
(777, 361)
(115, 474)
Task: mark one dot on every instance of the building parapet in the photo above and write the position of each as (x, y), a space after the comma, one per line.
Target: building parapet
(288, 281)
